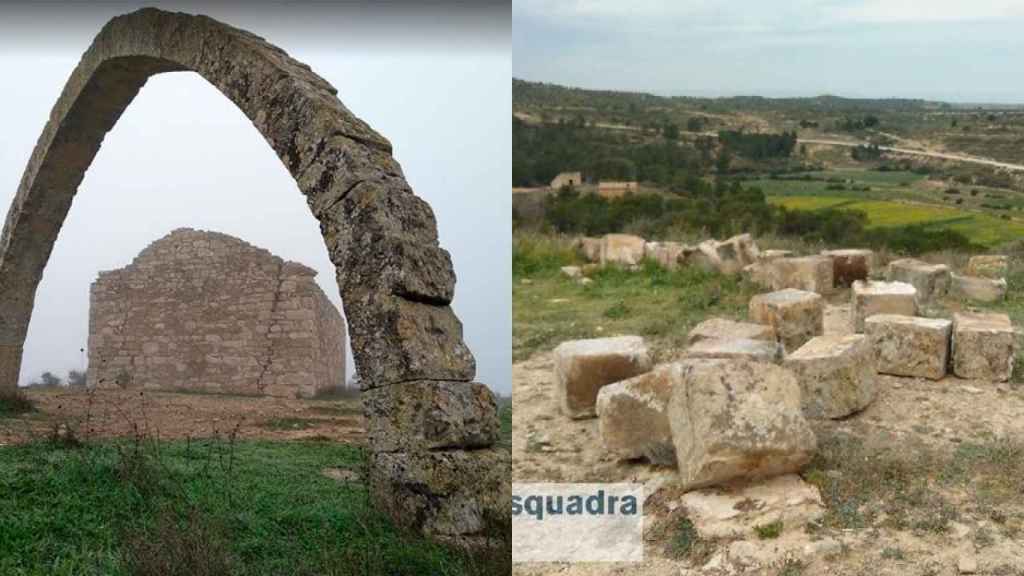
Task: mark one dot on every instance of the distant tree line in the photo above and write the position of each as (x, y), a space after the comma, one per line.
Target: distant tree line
(757, 146)
(848, 124)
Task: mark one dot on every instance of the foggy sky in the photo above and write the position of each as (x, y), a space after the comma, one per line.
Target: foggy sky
(431, 77)
(950, 50)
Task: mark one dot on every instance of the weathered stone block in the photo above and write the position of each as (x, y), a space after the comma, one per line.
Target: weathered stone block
(633, 415)
(810, 273)
(930, 280)
(992, 266)
(728, 256)
(622, 249)
(573, 272)
(721, 328)
(850, 265)
(769, 255)
(740, 348)
(978, 289)
(431, 415)
(759, 273)
(983, 346)
(795, 315)
(664, 253)
(452, 495)
(583, 367)
(870, 298)
(704, 259)
(734, 419)
(836, 375)
(590, 248)
(910, 346)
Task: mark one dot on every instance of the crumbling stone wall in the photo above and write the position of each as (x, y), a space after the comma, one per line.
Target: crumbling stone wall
(209, 311)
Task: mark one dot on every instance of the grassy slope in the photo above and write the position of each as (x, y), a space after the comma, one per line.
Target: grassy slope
(263, 507)
(506, 422)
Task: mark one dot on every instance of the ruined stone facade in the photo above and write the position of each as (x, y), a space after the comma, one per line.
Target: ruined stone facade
(203, 310)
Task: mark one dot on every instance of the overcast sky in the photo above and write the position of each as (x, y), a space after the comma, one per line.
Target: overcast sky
(433, 77)
(954, 50)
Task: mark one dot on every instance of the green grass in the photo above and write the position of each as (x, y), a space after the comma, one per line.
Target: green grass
(659, 304)
(197, 508)
(505, 411)
(15, 403)
(290, 423)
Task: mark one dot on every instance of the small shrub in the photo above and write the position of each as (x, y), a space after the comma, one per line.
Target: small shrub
(769, 531)
(14, 403)
(891, 553)
(617, 310)
(686, 543)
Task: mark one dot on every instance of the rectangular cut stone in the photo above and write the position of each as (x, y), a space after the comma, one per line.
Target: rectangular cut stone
(431, 415)
(978, 289)
(983, 346)
(633, 415)
(795, 315)
(664, 253)
(992, 266)
(870, 298)
(810, 273)
(583, 367)
(737, 420)
(622, 249)
(729, 329)
(452, 494)
(930, 280)
(910, 346)
(769, 255)
(742, 348)
(590, 248)
(850, 264)
(836, 375)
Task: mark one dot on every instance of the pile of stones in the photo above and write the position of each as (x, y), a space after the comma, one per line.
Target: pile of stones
(736, 404)
(726, 256)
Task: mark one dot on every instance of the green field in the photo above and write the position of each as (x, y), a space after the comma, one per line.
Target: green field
(201, 508)
(505, 407)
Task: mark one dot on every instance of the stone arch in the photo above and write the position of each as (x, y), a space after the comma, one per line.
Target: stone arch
(431, 429)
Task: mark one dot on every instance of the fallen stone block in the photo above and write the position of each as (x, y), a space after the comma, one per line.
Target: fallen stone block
(795, 315)
(769, 255)
(992, 266)
(910, 346)
(665, 254)
(622, 249)
(836, 375)
(741, 348)
(850, 265)
(573, 272)
(930, 280)
(722, 256)
(590, 248)
(978, 289)
(745, 248)
(633, 416)
(460, 415)
(583, 367)
(759, 273)
(694, 256)
(735, 512)
(736, 419)
(870, 298)
(983, 346)
(721, 328)
(810, 273)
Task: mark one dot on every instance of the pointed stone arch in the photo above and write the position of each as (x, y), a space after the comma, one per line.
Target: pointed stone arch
(431, 429)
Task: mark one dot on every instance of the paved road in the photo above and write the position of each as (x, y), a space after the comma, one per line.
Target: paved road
(943, 155)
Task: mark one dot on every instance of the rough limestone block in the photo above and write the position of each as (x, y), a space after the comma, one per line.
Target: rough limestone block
(622, 249)
(978, 289)
(664, 253)
(696, 257)
(759, 273)
(930, 280)
(583, 367)
(795, 315)
(590, 248)
(810, 273)
(735, 511)
(460, 415)
(769, 255)
(450, 495)
(850, 265)
(910, 346)
(572, 272)
(836, 375)
(633, 415)
(988, 266)
(742, 348)
(721, 328)
(734, 419)
(983, 346)
(722, 257)
(870, 298)
(745, 248)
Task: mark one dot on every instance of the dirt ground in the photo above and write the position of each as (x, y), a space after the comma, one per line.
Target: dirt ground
(548, 447)
(180, 415)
